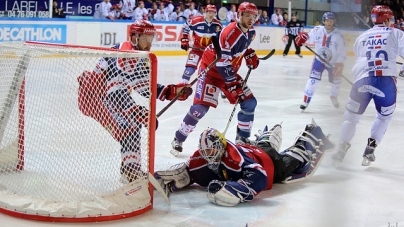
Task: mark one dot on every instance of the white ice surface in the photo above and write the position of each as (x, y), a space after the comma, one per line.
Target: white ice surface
(350, 195)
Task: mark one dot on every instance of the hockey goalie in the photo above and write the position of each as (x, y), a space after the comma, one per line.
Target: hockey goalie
(236, 173)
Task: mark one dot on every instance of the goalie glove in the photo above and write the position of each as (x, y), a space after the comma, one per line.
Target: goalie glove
(301, 38)
(172, 90)
(229, 193)
(185, 42)
(251, 59)
(173, 179)
(339, 67)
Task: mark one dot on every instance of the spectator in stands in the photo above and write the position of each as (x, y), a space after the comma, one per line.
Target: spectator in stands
(284, 22)
(57, 12)
(169, 8)
(397, 24)
(264, 19)
(153, 11)
(161, 14)
(103, 11)
(402, 26)
(201, 11)
(140, 12)
(191, 11)
(231, 15)
(127, 9)
(116, 12)
(277, 18)
(176, 16)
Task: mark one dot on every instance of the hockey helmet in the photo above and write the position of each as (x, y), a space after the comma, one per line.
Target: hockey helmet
(210, 8)
(248, 7)
(380, 13)
(142, 27)
(328, 16)
(212, 145)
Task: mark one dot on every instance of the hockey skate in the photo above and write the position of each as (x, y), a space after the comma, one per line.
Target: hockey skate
(304, 106)
(368, 155)
(341, 152)
(309, 148)
(273, 136)
(242, 140)
(334, 101)
(176, 147)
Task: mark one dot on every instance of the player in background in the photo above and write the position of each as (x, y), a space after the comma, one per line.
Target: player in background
(236, 173)
(330, 44)
(231, 16)
(191, 11)
(161, 14)
(103, 11)
(140, 12)
(177, 15)
(277, 18)
(105, 95)
(116, 12)
(234, 40)
(127, 9)
(375, 77)
(293, 27)
(203, 28)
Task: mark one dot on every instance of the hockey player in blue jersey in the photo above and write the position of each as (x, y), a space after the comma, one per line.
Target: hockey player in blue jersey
(375, 77)
(330, 44)
(236, 172)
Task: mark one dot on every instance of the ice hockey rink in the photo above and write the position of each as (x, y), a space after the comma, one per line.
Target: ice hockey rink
(350, 195)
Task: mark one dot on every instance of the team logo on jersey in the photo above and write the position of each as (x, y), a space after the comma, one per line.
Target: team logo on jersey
(204, 41)
(191, 56)
(372, 90)
(325, 53)
(210, 90)
(200, 27)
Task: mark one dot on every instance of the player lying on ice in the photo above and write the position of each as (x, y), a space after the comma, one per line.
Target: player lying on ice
(236, 173)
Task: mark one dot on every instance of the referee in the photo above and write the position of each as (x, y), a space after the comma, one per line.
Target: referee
(292, 30)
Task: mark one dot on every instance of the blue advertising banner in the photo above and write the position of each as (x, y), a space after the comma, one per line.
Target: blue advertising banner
(33, 32)
(19, 8)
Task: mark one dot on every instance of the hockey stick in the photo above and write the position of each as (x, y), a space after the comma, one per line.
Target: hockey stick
(158, 187)
(245, 82)
(216, 45)
(326, 62)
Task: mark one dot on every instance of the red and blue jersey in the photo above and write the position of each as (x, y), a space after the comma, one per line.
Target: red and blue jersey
(233, 42)
(245, 162)
(202, 31)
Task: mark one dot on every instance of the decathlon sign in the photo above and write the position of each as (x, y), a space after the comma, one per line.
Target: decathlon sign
(33, 32)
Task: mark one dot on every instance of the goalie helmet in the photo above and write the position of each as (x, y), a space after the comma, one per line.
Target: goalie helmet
(248, 7)
(210, 8)
(328, 16)
(380, 13)
(212, 145)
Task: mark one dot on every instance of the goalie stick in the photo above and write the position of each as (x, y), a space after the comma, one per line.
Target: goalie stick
(326, 62)
(158, 187)
(245, 82)
(216, 45)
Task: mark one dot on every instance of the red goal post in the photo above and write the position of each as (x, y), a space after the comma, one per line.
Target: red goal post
(56, 163)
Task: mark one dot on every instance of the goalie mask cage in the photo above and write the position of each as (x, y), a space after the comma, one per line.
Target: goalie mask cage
(56, 163)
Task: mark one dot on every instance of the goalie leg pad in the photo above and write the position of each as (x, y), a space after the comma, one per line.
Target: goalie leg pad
(273, 136)
(174, 178)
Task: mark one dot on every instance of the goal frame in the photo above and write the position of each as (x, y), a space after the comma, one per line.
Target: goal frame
(151, 142)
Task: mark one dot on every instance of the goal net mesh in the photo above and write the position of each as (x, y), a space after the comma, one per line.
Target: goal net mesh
(62, 146)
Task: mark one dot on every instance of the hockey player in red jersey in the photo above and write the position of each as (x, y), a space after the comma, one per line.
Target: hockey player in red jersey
(236, 173)
(105, 94)
(203, 28)
(234, 41)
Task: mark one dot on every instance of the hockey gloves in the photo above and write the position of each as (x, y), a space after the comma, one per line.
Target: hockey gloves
(339, 67)
(251, 59)
(301, 38)
(236, 90)
(185, 42)
(172, 90)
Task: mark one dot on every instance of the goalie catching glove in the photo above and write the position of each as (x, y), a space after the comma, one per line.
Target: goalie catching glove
(301, 38)
(339, 67)
(173, 179)
(229, 193)
(251, 59)
(172, 90)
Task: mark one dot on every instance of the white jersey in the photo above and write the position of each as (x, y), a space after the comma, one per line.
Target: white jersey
(190, 13)
(174, 17)
(127, 7)
(276, 19)
(103, 10)
(376, 51)
(140, 13)
(231, 16)
(169, 9)
(161, 15)
(330, 46)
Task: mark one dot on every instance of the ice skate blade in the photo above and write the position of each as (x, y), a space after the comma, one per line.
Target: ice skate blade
(366, 162)
(174, 152)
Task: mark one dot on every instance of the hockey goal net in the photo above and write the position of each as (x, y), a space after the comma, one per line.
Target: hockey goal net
(58, 163)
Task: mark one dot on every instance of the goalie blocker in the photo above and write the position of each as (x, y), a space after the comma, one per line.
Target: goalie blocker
(236, 173)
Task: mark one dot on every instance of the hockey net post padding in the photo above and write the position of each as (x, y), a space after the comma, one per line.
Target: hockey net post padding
(57, 164)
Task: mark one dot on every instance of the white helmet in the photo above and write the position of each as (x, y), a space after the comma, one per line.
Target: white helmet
(212, 145)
